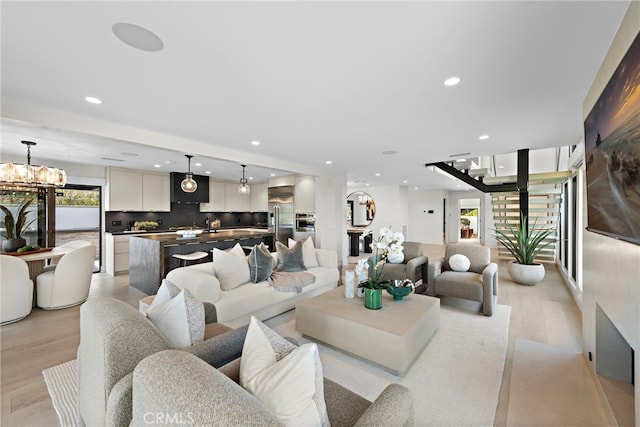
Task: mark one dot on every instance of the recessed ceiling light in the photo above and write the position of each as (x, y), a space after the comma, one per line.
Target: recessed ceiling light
(452, 81)
(501, 167)
(388, 152)
(328, 162)
(367, 184)
(405, 181)
(198, 164)
(250, 177)
(459, 185)
(377, 173)
(137, 37)
(415, 188)
(255, 142)
(169, 162)
(273, 174)
(93, 100)
(483, 137)
(208, 172)
(157, 166)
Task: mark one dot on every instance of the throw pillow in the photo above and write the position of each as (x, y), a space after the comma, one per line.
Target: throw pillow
(308, 252)
(236, 250)
(180, 320)
(231, 270)
(287, 380)
(166, 291)
(260, 263)
(459, 262)
(290, 259)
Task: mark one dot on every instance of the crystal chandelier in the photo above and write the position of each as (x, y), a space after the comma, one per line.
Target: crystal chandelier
(188, 184)
(31, 175)
(244, 188)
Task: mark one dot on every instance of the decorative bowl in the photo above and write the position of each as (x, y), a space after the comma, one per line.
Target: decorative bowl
(189, 233)
(402, 289)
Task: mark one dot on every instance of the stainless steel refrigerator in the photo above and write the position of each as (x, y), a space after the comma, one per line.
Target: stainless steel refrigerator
(281, 218)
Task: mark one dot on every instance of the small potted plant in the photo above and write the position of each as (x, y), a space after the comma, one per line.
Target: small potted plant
(374, 284)
(16, 225)
(524, 245)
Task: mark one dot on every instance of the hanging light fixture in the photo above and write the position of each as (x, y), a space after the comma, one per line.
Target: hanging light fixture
(31, 175)
(244, 188)
(188, 184)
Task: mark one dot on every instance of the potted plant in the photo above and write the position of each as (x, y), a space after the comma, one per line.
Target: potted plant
(374, 284)
(16, 225)
(524, 245)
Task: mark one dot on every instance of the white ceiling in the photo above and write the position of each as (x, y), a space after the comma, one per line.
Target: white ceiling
(312, 81)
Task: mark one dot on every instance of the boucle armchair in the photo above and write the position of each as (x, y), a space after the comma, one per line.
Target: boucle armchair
(479, 283)
(178, 385)
(114, 338)
(16, 289)
(414, 266)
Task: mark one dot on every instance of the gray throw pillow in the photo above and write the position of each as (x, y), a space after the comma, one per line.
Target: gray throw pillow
(290, 259)
(260, 263)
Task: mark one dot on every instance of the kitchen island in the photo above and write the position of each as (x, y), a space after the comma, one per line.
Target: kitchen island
(151, 255)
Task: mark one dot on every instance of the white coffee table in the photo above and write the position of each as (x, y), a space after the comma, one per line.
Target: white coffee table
(391, 337)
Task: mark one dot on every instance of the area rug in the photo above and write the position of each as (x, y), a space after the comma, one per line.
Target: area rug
(552, 386)
(455, 381)
(62, 387)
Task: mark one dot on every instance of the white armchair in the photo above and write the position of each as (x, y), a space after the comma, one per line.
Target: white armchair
(73, 244)
(16, 289)
(68, 284)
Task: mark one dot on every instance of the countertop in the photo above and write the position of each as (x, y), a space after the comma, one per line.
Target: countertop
(172, 237)
(146, 232)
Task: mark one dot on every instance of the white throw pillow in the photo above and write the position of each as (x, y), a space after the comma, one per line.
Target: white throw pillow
(287, 380)
(231, 270)
(180, 320)
(308, 252)
(236, 250)
(166, 291)
(459, 262)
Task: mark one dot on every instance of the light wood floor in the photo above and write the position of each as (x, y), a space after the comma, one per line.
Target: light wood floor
(545, 313)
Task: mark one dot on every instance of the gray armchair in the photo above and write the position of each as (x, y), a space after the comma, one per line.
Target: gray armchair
(480, 283)
(414, 266)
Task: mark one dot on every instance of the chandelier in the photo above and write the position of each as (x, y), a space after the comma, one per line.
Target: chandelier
(244, 188)
(188, 184)
(31, 175)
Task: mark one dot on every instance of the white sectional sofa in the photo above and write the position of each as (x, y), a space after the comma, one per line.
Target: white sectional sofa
(235, 307)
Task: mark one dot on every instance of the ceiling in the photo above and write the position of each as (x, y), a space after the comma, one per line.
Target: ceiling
(312, 81)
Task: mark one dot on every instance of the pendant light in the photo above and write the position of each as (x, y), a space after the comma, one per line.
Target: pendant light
(188, 184)
(31, 175)
(244, 188)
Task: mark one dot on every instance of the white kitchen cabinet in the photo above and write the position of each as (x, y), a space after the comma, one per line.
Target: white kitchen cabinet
(259, 197)
(217, 197)
(124, 190)
(237, 202)
(117, 254)
(305, 198)
(156, 192)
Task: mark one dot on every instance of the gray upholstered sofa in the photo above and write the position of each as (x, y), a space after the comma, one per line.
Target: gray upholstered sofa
(480, 283)
(127, 375)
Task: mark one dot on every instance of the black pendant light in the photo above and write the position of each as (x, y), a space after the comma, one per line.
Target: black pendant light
(188, 184)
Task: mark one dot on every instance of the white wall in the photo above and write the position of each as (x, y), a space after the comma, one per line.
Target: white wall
(424, 226)
(391, 207)
(611, 274)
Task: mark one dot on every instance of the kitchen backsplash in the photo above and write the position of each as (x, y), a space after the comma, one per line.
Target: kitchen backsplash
(182, 215)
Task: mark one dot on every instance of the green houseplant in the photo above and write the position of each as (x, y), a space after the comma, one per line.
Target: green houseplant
(16, 225)
(524, 243)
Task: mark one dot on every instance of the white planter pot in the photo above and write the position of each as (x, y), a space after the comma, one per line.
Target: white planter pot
(526, 274)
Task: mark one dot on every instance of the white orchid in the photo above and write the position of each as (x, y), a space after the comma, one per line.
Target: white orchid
(388, 242)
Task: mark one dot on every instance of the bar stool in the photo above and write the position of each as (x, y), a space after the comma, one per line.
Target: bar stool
(190, 257)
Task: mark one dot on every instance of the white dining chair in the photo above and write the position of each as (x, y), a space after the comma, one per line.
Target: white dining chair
(68, 284)
(16, 289)
(73, 244)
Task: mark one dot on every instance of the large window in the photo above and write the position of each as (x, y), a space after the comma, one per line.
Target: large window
(570, 230)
